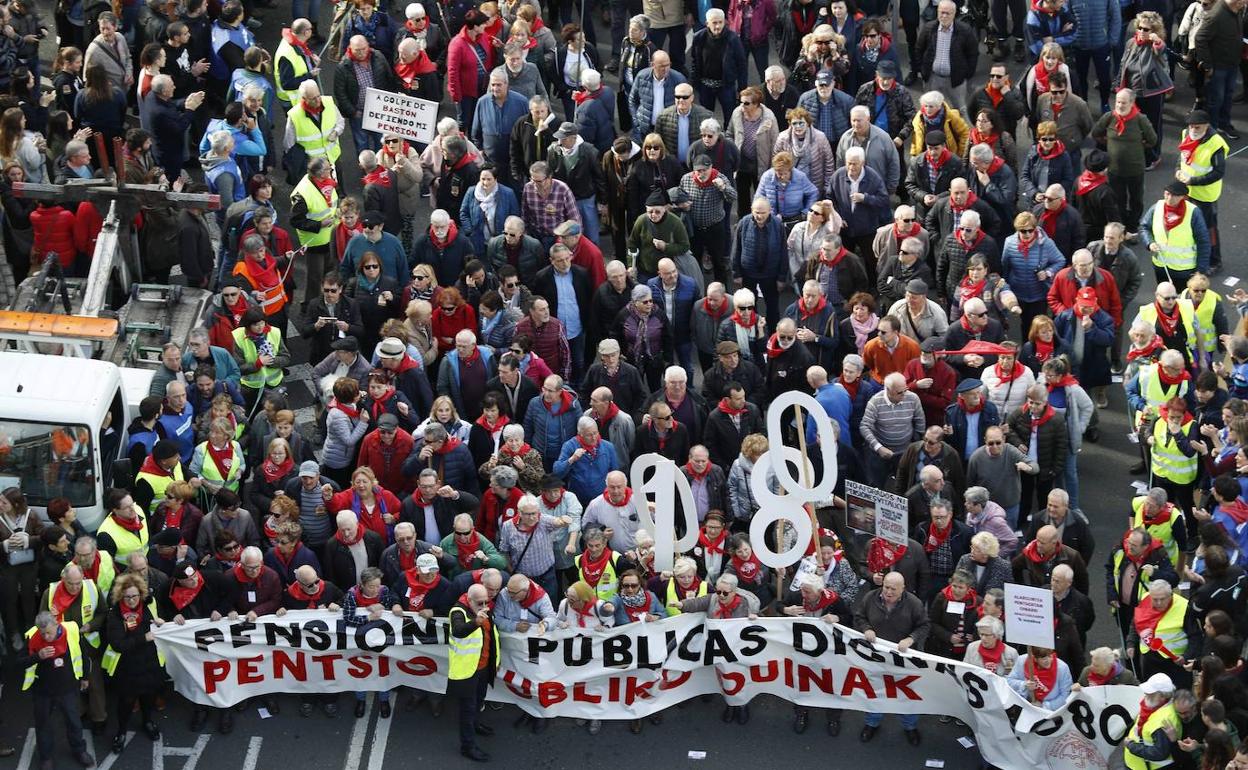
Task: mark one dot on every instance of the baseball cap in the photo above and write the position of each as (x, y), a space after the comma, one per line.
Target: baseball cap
(426, 563)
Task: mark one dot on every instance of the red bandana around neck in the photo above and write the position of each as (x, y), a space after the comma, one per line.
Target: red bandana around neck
(936, 538)
(130, 525)
(694, 475)
(713, 547)
(181, 596)
(628, 498)
(726, 609)
(466, 552)
(1120, 121)
(1187, 147)
(881, 554)
(592, 569)
(301, 594)
(749, 570)
(1089, 181)
(1046, 676)
(59, 645)
(1173, 215)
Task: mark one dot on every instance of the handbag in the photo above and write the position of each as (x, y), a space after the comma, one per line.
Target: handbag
(21, 555)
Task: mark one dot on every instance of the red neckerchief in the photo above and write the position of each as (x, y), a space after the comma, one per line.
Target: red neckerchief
(592, 569)
(1173, 215)
(62, 600)
(1036, 422)
(836, 260)
(971, 599)
(173, 516)
(133, 617)
(991, 658)
(309, 110)
(270, 529)
(1146, 711)
(716, 315)
(417, 591)
(222, 458)
(605, 420)
(726, 408)
(300, 594)
(1089, 181)
(628, 498)
(968, 289)
(505, 451)
(694, 475)
(1162, 516)
(535, 595)
(298, 44)
(585, 615)
(350, 411)
(710, 179)
(409, 71)
(850, 387)
(272, 471)
(181, 596)
(740, 320)
(636, 613)
(377, 406)
(59, 645)
(995, 95)
(981, 138)
(368, 55)
(130, 525)
(359, 535)
(264, 270)
(1187, 147)
(979, 407)
(1032, 551)
(1042, 77)
(565, 401)
(449, 445)
(1169, 321)
(1004, 378)
(801, 308)
(465, 552)
(277, 550)
(1044, 350)
(900, 236)
(414, 28)
(1056, 149)
(725, 610)
(462, 162)
(716, 547)
(1150, 351)
(590, 449)
(1170, 382)
(971, 197)
(826, 598)
(493, 427)
(452, 230)
(1146, 619)
(936, 538)
(1047, 677)
(407, 560)
(1120, 121)
(154, 468)
(1066, 381)
(881, 554)
(378, 176)
(580, 97)
(995, 165)
(241, 575)
(773, 347)
(939, 160)
(93, 572)
(362, 601)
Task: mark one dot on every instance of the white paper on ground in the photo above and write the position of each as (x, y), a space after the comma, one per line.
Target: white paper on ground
(1140, 486)
(697, 755)
(264, 713)
(1230, 281)
(934, 763)
(966, 742)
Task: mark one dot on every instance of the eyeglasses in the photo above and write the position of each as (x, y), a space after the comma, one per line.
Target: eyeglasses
(231, 294)
(1026, 230)
(463, 534)
(331, 289)
(664, 417)
(995, 76)
(748, 104)
(745, 307)
(907, 220)
(130, 595)
(419, 277)
(977, 315)
(994, 443)
(653, 149)
(1169, 298)
(967, 229)
(722, 593)
(1048, 139)
(786, 337)
(371, 267)
(393, 141)
(630, 585)
(683, 97)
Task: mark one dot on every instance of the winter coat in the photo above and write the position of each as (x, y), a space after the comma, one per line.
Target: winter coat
(347, 82)
(1061, 26)
(586, 478)
(1067, 231)
(791, 200)
(818, 163)
(1092, 370)
(547, 427)
(1097, 207)
(596, 119)
(1124, 267)
(734, 67)
(1051, 444)
(1098, 23)
(1065, 286)
(898, 108)
(1019, 270)
(865, 217)
(764, 138)
(1144, 70)
(472, 218)
(762, 19)
(461, 65)
(840, 104)
(1039, 173)
(1126, 150)
(139, 666)
(963, 51)
(881, 155)
(641, 99)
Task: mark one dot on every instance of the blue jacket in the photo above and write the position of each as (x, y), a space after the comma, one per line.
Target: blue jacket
(472, 218)
(866, 217)
(180, 429)
(791, 199)
(199, 404)
(222, 361)
(641, 99)
(1098, 23)
(1042, 25)
(587, 477)
(837, 122)
(378, 30)
(389, 249)
(686, 294)
(491, 126)
(596, 119)
(736, 73)
(448, 376)
(447, 263)
(221, 36)
(955, 417)
(835, 401)
(547, 430)
(1200, 233)
(1020, 271)
(246, 143)
(241, 78)
(748, 252)
(1093, 369)
(867, 388)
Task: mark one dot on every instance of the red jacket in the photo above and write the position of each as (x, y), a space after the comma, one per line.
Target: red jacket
(388, 465)
(589, 256)
(345, 501)
(461, 65)
(279, 241)
(1065, 286)
(491, 514)
(87, 226)
(939, 395)
(54, 232)
(445, 325)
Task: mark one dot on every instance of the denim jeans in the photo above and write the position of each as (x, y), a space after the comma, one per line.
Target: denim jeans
(908, 721)
(465, 109)
(1220, 94)
(364, 140)
(576, 346)
(1070, 478)
(1098, 58)
(725, 95)
(590, 225)
(684, 357)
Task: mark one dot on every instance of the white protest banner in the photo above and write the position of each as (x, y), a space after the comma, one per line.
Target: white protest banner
(407, 116)
(639, 669)
(1029, 615)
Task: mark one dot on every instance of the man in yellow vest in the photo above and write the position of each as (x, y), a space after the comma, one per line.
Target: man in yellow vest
(1202, 164)
(1211, 319)
(315, 124)
(1148, 744)
(76, 598)
(473, 662)
(56, 672)
(295, 61)
(1175, 447)
(159, 469)
(598, 565)
(1165, 634)
(124, 529)
(1174, 231)
(261, 352)
(314, 214)
(1163, 521)
(1174, 320)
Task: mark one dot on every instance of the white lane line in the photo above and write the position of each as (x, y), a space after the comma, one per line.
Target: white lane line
(196, 752)
(28, 751)
(377, 749)
(1241, 149)
(110, 757)
(253, 754)
(355, 750)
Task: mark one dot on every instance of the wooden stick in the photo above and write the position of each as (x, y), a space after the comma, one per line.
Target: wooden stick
(809, 482)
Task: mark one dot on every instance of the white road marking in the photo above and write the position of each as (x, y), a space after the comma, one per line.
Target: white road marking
(110, 757)
(377, 747)
(253, 754)
(355, 750)
(28, 751)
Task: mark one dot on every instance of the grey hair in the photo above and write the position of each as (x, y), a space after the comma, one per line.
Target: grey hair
(854, 359)
(447, 126)
(774, 71)
(981, 153)
(504, 476)
(1158, 496)
(970, 218)
(162, 83)
(591, 79)
(684, 566)
(513, 430)
(198, 334)
(253, 92)
(990, 624)
(1119, 228)
(855, 153)
(932, 99)
(45, 619)
(368, 159)
(976, 495)
(987, 542)
(73, 147)
(1102, 654)
(539, 167)
(514, 220)
(427, 473)
(585, 423)
(435, 432)
(640, 20)
(729, 580)
(859, 109)
(716, 13)
(220, 140)
(712, 125)
(440, 218)
(369, 574)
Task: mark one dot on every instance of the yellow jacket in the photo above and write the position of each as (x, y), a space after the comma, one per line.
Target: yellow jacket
(957, 133)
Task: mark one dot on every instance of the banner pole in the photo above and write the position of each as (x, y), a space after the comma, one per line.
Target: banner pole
(809, 482)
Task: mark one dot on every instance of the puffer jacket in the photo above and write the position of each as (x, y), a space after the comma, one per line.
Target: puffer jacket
(898, 107)
(1019, 270)
(547, 428)
(819, 161)
(957, 133)
(1039, 173)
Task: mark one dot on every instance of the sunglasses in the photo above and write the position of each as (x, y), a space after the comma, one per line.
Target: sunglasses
(683, 97)
(331, 289)
(786, 337)
(1048, 139)
(630, 585)
(231, 294)
(393, 141)
(723, 593)
(745, 307)
(371, 267)
(994, 443)
(748, 104)
(1026, 230)
(995, 76)
(1057, 90)
(907, 220)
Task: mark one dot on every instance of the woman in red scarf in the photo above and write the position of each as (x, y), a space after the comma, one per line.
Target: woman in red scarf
(383, 398)
(954, 612)
(989, 129)
(281, 511)
(376, 508)
(452, 315)
(1105, 669)
(1042, 345)
(349, 225)
(1036, 81)
(1047, 163)
(139, 676)
(219, 460)
(751, 574)
(1145, 69)
(1042, 678)
(177, 511)
(991, 651)
(270, 476)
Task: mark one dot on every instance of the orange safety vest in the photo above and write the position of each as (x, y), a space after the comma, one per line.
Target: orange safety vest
(273, 299)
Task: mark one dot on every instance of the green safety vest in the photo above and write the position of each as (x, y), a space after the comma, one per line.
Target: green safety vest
(1204, 317)
(673, 597)
(287, 52)
(312, 136)
(1159, 719)
(1202, 163)
(465, 653)
(319, 210)
(210, 472)
(1168, 462)
(111, 657)
(609, 583)
(90, 597)
(160, 483)
(75, 653)
(127, 542)
(270, 376)
(1177, 248)
(1162, 533)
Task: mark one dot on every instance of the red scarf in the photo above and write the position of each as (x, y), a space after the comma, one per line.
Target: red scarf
(992, 658)
(710, 182)
(407, 560)
(173, 516)
(416, 590)
(182, 596)
(311, 111)
(725, 609)
(715, 314)
(995, 165)
(368, 55)
(378, 176)
(1173, 215)
(936, 538)
(1032, 551)
(1151, 351)
(694, 475)
(1014, 374)
(971, 197)
(900, 236)
(979, 407)
(1046, 676)
(995, 95)
(716, 547)
(59, 645)
(1066, 381)
(773, 347)
(1169, 322)
(241, 575)
(298, 44)
(94, 571)
(628, 497)
(130, 525)
(605, 420)
(726, 407)
(350, 411)
(535, 595)
(580, 97)
(1187, 147)
(1042, 77)
(505, 451)
(377, 406)
(362, 601)
(981, 138)
(452, 230)
(881, 554)
(466, 552)
(834, 261)
(850, 387)
(62, 600)
(1146, 619)
(270, 531)
(1146, 711)
(591, 570)
(1120, 121)
(359, 535)
(1170, 382)
(826, 598)
(492, 427)
(972, 246)
(971, 599)
(272, 471)
(300, 594)
(1089, 181)
(1098, 680)
(1044, 350)
(1138, 561)
(801, 308)
(586, 615)
(409, 71)
(1036, 422)
(938, 161)
(741, 321)
(1057, 148)
(970, 290)
(565, 401)
(154, 468)
(590, 449)
(224, 458)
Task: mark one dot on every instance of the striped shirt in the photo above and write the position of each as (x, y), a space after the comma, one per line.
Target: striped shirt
(540, 554)
(892, 425)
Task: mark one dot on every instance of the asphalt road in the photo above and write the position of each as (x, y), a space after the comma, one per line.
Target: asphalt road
(286, 740)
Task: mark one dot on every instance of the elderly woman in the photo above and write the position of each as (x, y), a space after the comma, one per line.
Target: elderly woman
(1029, 260)
(270, 476)
(582, 609)
(1048, 162)
(683, 582)
(980, 283)
(219, 460)
(645, 336)
(1042, 345)
(726, 601)
(987, 568)
(1042, 678)
(282, 510)
(515, 453)
(987, 517)
(485, 209)
(741, 503)
(990, 130)
(953, 613)
(654, 171)
(1105, 668)
(861, 325)
(806, 238)
(131, 660)
(789, 191)
(630, 56)
(1036, 80)
(746, 327)
(1145, 70)
(811, 149)
(375, 508)
(936, 114)
(752, 575)
(990, 651)
(753, 129)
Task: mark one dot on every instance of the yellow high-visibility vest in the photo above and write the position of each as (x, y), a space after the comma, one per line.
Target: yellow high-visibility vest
(312, 136)
(265, 375)
(465, 652)
(1202, 163)
(319, 210)
(75, 653)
